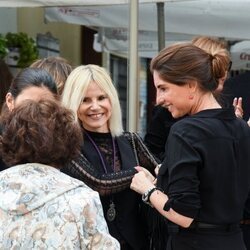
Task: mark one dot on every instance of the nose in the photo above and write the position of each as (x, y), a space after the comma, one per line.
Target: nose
(94, 104)
(159, 99)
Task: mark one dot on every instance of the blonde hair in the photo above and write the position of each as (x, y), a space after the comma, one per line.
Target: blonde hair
(77, 84)
(58, 67)
(218, 50)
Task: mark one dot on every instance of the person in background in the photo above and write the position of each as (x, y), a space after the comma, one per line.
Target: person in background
(238, 86)
(204, 180)
(58, 67)
(32, 84)
(108, 154)
(40, 207)
(5, 81)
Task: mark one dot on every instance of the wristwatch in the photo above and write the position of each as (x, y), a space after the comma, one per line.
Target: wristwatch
(147, 194)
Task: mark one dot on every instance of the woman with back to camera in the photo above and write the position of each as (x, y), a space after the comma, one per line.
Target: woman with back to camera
(40, 207)
(204, 180)
(108, 154)
(33, 84)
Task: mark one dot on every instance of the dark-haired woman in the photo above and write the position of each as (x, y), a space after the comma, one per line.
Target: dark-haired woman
(32, 84)
(204, 180)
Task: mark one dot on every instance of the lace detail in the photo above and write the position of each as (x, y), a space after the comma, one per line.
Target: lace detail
(105, 145)
(111, 183)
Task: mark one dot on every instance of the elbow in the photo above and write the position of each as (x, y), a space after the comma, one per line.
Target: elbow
(181, 220)
(185, 223)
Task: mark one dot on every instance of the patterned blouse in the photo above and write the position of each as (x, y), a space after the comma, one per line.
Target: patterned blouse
(42, 208)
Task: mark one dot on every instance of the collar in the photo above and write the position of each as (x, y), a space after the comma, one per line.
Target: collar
(222, 113)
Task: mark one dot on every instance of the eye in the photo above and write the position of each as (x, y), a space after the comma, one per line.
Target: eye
(162, 89)
(102, 97)
(85, 100)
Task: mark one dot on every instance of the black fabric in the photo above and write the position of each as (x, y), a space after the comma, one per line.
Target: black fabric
(206, 241)
(3, 166)
(158, 130)
(206, 172)
(130, 225)
(246, 235)
(108, 183)
(239, 86)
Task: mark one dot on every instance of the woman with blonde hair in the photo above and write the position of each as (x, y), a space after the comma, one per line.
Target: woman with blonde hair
(108, 154)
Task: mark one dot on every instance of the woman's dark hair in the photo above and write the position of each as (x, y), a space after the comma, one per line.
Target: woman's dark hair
(39, 131)
(30, 77)
(185, 62)
(5, 81)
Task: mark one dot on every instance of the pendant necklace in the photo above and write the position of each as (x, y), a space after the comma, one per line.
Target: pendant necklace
(111, 212)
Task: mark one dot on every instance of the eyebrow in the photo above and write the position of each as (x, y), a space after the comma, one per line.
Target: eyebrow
(159, 86)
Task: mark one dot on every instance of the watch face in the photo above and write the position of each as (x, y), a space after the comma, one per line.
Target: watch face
(145, 197)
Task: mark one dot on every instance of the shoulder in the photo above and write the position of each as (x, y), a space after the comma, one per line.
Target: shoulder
(184, 124)
(191, 129)
(82, 196)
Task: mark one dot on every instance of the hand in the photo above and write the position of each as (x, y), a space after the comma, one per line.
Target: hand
(248, 122)
(237, 103)
(142, 181)
(147, 173)
(157, 168)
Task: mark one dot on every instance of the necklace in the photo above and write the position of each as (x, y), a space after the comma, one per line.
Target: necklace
(100, 154)
(111, 212)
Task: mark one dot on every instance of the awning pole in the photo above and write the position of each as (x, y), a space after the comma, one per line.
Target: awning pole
(161, 26)
(133, 85)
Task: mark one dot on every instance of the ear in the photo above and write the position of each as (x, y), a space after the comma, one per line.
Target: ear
(9, 99)
(192, 85)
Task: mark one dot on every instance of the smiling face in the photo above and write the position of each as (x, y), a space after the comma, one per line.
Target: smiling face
(29, 93)
(177, 99)
(95, 110)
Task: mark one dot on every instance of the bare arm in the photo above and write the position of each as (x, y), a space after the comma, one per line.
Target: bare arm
(142, 182)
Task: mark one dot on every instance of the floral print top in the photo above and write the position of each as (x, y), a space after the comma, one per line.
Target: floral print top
(42, 208)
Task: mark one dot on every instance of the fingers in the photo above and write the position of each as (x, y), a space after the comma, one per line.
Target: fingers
(237, 103)
(248, 122)
(157, 168)
(235, 100)
(139, 168)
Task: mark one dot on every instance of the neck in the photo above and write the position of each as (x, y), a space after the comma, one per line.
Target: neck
(99, 153)
(206, 101)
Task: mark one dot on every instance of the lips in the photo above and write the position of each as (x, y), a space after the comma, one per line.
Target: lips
(95, 116)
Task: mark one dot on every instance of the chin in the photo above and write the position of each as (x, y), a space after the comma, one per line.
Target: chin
(177, 115)
(174, 115)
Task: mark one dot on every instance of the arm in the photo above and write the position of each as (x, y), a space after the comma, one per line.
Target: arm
(142, 182)
(178, 176)
(145, 158)
(104, 184)
(110, 183)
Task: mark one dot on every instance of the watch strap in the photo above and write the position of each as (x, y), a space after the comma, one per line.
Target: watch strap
(147, 194)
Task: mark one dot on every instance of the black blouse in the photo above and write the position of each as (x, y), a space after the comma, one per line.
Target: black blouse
(206, 172)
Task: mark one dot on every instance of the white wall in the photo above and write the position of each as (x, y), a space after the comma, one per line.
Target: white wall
(8, 20)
